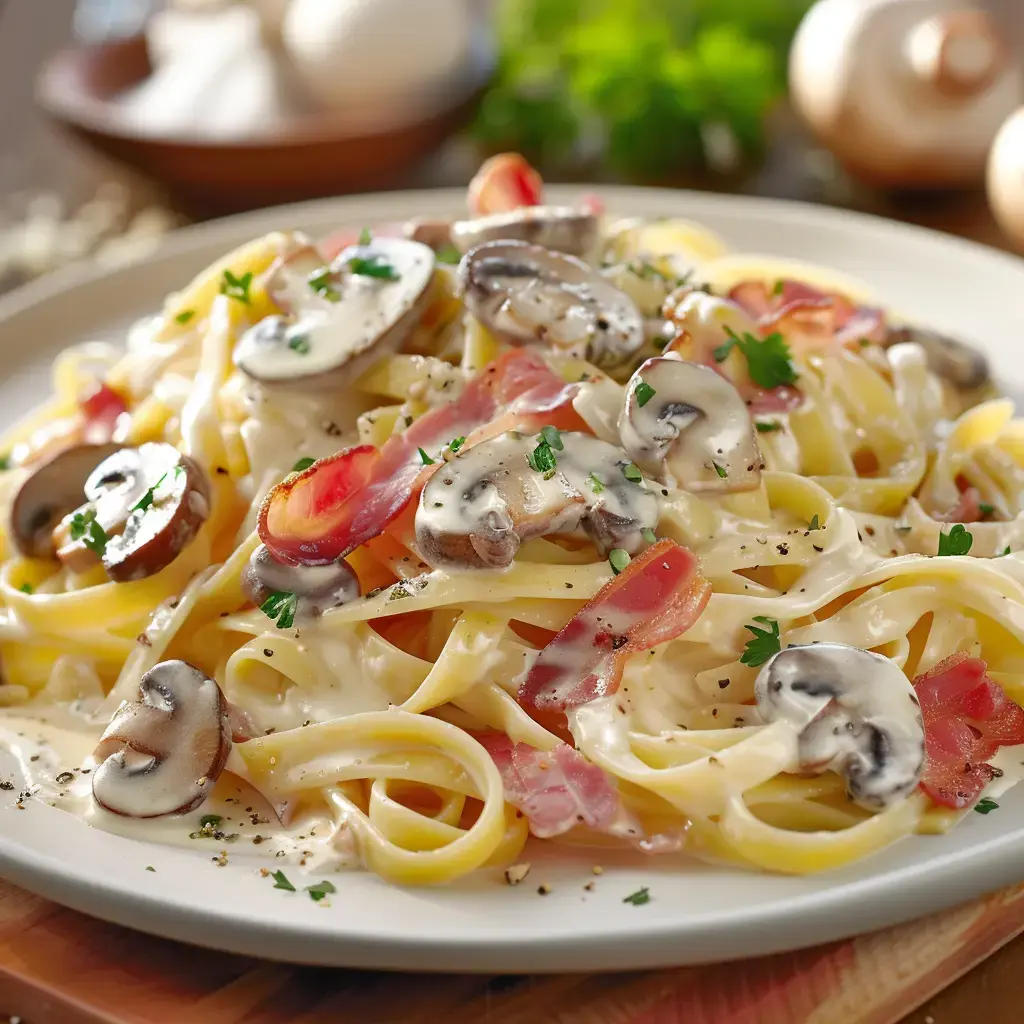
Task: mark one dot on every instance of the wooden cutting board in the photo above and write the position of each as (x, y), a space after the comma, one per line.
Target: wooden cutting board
(61, 967)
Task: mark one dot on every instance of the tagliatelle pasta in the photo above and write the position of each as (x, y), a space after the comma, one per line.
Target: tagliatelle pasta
(604, 534)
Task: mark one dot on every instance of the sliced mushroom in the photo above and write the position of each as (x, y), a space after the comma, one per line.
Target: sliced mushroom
(163, 753)
(150, 502)
(688, 425)
(54, 489)
(478, 508)
(317, 587)
(954, 361)
(287, 280)
(855, 713)
(367, 302)
(524, 294)
(435, 232)
(561, 228)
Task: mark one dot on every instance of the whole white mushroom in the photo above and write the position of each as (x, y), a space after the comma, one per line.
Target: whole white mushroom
(375, 53)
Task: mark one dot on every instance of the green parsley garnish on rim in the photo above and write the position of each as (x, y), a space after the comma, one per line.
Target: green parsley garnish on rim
(237, 287)
(764, 644)
(281, 605)
(639, 898)
(768, 359)
(281, 881)
(957, 542)
(320, 890)
(985, 804)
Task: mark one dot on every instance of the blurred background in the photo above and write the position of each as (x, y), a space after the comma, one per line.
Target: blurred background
(122, 119)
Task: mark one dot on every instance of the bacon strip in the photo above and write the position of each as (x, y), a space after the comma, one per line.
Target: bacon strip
(343, 501)
(656, 598)
(504, 183)
(967, 718)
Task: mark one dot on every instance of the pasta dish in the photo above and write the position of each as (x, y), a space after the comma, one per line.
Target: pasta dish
(395, 549)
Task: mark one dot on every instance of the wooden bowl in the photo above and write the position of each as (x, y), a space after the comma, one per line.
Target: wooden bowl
(313, 157)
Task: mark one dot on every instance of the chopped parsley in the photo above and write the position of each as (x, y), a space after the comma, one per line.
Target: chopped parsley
(957, 542)
(85, 528)
(26, 588)
(632, 472)
(456, 443)
(1006, 550)
(374, 265)
(986, 510)
(448, 254)
(185, 315)
(210, 821)
(767, 358)
(985, 804)
(320, 890)
(644, 393)
(765, 427)
(639, 898)
(618, 560)
(281, 881)
(813, 524)
(764, 644)
(303, 464)
(779, 287)
(281, 605)
(425, 458)
(237, 287)
(299, 343)
(322, 282)
(720, 470)
(5, 462)
(553, 437)
(648, 535)
(365, 238)
(146, 501)
(596, 484)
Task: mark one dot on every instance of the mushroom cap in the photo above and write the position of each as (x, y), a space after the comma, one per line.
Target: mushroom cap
(324, 342)
(162, 753)
(694, 421)
(526, 294)
(318, 587)
(855, 713)
(561, 228)
(53, 490)
(478, 508)
(956, 362)
(177, 503)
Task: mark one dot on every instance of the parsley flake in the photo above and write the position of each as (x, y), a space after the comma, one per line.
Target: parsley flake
(320, 890)
(210, 820)
(1006, 550)
(648, 535)
(813, 524)
(985, 804)
(281, 605)
(986, 510)
(542, 459)
(303, 464)
(720, 470)
(766, 427)
(957, 542)
(184, 316)
(322, 282)
(299, 343)
(632, 472)
(764, 644)
(237, 287)
(644, 393)
(596, 483)
(26, 588)
(281, 881)
(146, 500)
(448, 254)
(618, 560)
(85, 528)
(767, 358)
(456, 443)
(553, 436)
(374, 265)
(365, 238)
(779, 287)
(425, 458)
(639, 898)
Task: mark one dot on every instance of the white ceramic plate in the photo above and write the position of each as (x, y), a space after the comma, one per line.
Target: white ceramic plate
(696, 913)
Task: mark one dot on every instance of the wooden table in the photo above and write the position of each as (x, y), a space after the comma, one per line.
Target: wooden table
(40, 942)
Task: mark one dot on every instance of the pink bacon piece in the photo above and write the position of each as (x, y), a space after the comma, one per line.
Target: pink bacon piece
(656, 598)
(343, 501)
(504, 183)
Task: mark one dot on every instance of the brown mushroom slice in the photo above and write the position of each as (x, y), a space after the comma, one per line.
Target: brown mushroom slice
(50, 493)
(956, 362)
(561, 228)
(316, 587)
(526, 294)
(688, 425)
(367, 302)
(435, 232)
(287, 280)
(478, 508)
(161, 496)
(162, 753)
